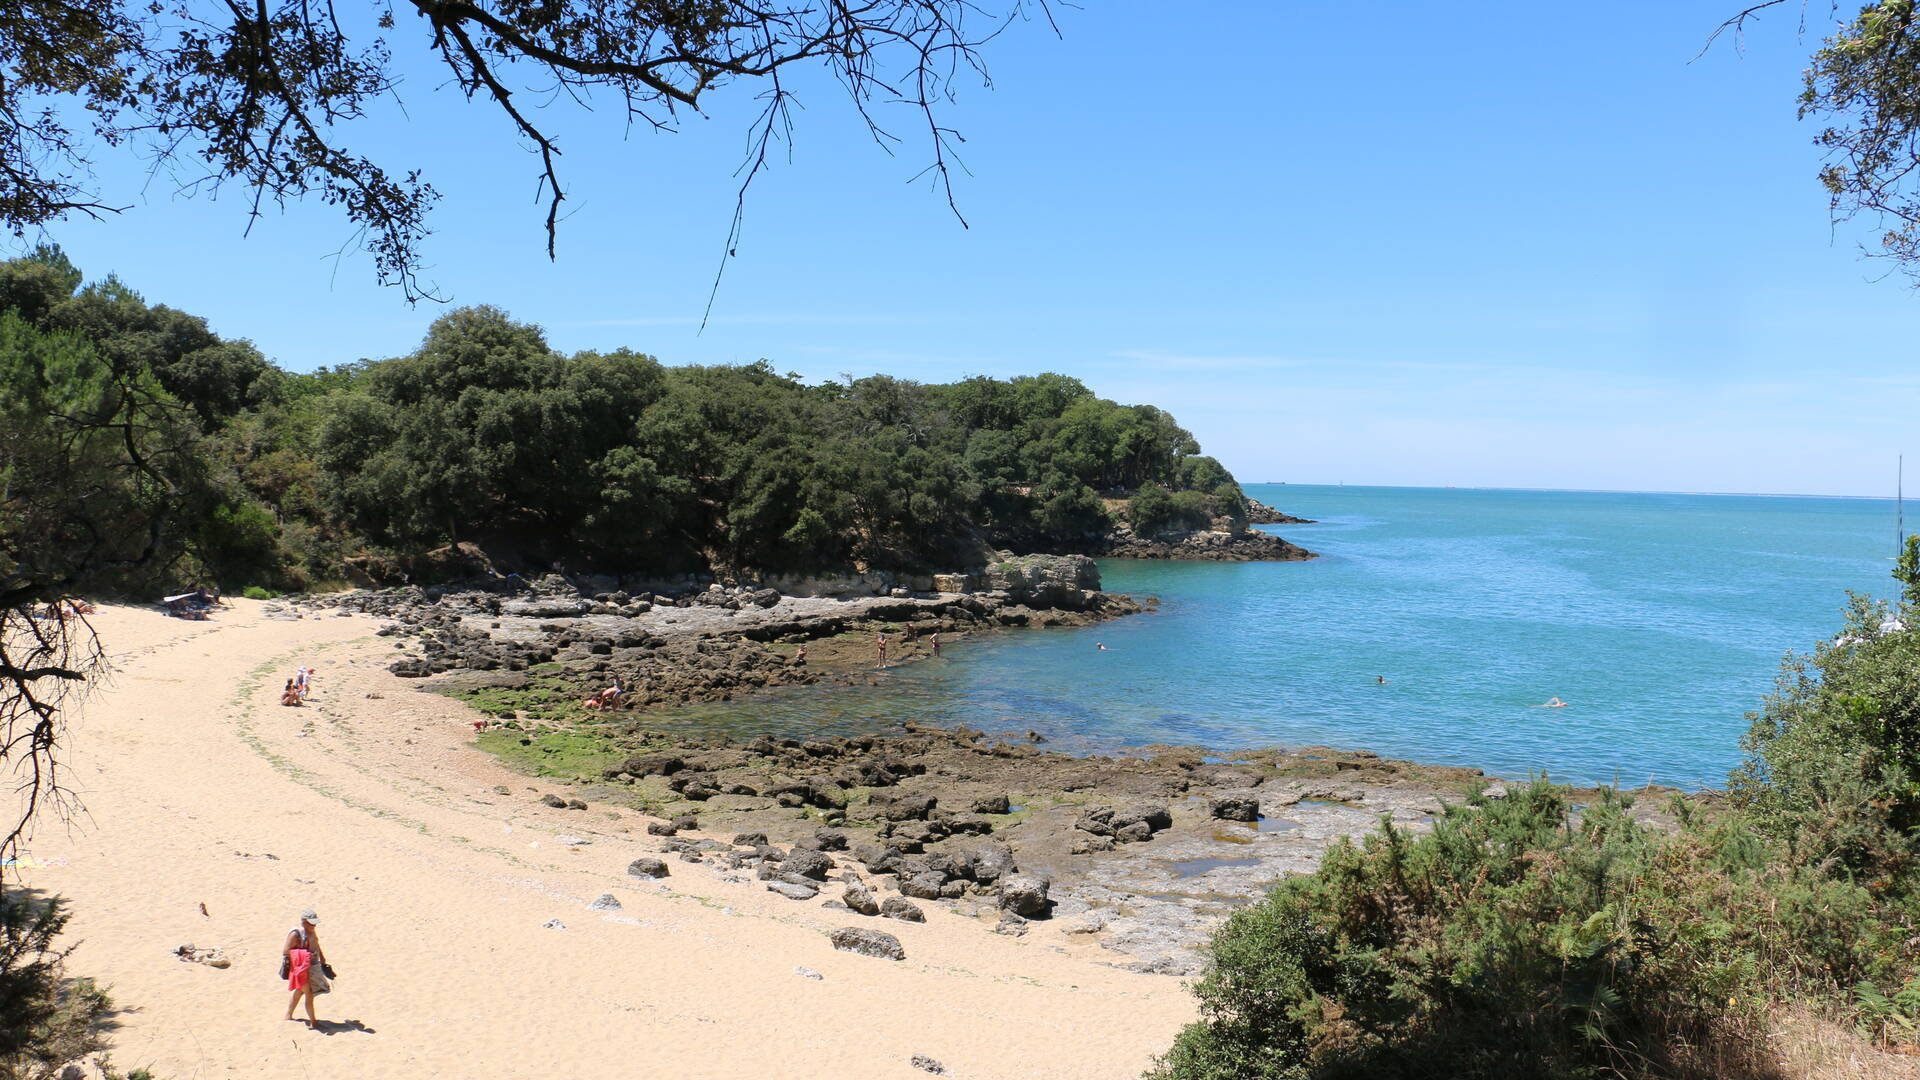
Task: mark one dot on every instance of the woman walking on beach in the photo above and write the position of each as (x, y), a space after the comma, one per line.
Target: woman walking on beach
(305, 965)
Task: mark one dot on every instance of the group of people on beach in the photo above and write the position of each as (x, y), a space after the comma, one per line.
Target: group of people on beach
(608, 698)
(298, 687)
(906, 636)
(62, 610)
(193, 604)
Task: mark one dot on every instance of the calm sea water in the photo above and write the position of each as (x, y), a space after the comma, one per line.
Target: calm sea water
(1660, 618)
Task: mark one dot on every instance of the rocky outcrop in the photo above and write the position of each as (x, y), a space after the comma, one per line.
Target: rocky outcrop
(705, 644)
(1070, 582)
(1259, 513)
(1207, 546)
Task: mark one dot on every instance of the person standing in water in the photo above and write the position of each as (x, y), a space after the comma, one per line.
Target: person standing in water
(933, 639)
(304, 960)
(880, 640)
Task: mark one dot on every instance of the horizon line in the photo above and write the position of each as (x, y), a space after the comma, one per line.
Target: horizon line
(1581, 491)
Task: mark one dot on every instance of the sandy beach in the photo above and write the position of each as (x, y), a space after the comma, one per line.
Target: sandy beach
(435, 893)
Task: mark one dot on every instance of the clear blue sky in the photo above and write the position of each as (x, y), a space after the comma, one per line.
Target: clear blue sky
(1492, 244)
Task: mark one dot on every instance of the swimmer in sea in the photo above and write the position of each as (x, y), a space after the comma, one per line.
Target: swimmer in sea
(1100, 646)
(1381, 679)
(1552, 703)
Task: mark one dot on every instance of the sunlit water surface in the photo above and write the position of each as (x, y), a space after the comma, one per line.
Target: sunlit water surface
(1660, 618)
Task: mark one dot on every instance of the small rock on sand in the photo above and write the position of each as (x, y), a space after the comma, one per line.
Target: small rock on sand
(927, 1064)
(645, 867)
(554, 924)
(606, 902)
(875, 943)
(808, 973)
(899, 907)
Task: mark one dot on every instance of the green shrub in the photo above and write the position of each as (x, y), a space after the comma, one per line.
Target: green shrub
(1520, 938)
(255, 592)
(46, 1019)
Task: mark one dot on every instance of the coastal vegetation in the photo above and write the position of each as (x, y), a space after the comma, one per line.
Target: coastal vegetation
(141, 448)
(1528, 935)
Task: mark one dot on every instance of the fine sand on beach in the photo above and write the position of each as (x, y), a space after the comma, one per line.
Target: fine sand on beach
(372, 805)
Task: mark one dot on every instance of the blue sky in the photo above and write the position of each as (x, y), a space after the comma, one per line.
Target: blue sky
(1487, 244)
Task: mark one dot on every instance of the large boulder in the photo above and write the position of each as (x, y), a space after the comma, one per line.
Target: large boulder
(810, 864)
(924, 886)
(648, 868)
(990, 863)
(1235, 806)
(1045, 581)
(992, 804)
(875, 943)
(653, 764)
(793, 890)
(899, 907)
(1154, 817)
(906, 807)
(859, 898)
(547, 608)
(1024, 895)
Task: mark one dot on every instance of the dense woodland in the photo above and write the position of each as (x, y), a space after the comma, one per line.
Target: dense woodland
(136, 438)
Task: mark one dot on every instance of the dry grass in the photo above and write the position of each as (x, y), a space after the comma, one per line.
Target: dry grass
(1806, 1046)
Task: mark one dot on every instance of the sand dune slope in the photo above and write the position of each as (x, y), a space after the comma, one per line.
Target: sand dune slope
(434, 892)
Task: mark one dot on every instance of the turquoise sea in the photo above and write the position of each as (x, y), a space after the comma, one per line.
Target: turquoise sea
(1661, 618)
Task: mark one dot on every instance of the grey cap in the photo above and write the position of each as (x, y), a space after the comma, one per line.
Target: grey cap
(310, 915)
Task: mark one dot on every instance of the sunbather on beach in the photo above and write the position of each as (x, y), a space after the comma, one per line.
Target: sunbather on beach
(290, 695)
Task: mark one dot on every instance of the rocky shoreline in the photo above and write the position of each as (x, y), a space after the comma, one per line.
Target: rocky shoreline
(1259, 513)
(550, 642)
(1147, 852)
(1206, 546)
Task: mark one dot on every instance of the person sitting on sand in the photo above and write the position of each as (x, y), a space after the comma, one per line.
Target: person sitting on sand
(1552, 703)
(291, 695)
(305, 963)
(79, 606)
